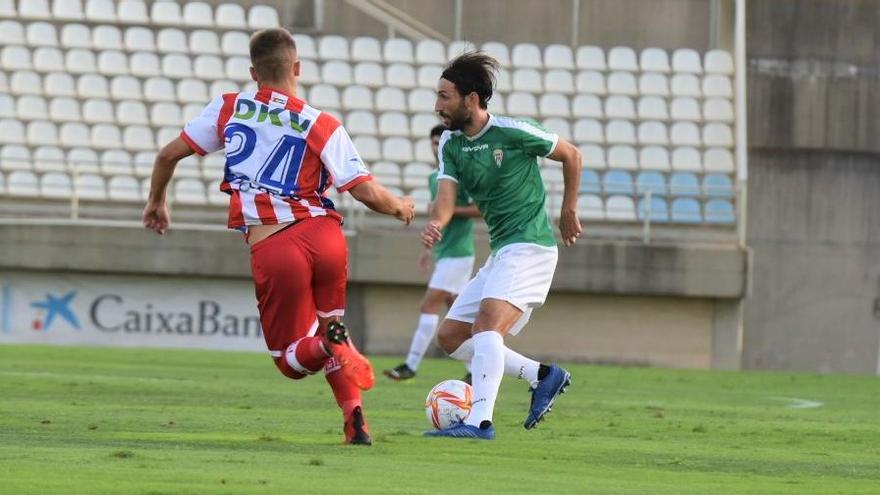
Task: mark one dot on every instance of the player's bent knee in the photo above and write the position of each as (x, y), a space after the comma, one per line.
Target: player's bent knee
(449, 339)
(287, 371)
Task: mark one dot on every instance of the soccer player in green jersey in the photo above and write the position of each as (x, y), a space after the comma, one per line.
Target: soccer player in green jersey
(495, 159)
(453, 259)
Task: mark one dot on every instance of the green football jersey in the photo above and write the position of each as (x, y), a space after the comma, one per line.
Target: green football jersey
(458, 235)
(499, 169)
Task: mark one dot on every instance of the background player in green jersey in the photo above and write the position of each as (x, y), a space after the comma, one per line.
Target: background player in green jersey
(495, 159)
(453, 259)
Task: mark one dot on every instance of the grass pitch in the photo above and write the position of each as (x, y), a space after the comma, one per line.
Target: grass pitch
(77, 420)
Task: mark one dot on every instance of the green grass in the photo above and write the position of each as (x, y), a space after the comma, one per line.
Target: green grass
(99, 420)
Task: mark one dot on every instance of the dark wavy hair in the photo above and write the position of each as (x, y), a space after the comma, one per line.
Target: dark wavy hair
(473, 72)
(437, 130)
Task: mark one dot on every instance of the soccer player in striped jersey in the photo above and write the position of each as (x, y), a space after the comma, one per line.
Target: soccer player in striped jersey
(453, 260)
(281, 156)
(495, 159)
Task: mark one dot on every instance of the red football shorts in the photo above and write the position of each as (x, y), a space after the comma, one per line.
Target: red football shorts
(299, 272)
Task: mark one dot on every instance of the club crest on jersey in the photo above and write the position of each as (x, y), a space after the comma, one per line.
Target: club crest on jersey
(499, 157)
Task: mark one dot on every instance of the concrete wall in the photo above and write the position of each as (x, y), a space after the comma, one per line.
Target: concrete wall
(610, 302)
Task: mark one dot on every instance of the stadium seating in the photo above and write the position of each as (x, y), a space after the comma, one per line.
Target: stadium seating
(119, 77)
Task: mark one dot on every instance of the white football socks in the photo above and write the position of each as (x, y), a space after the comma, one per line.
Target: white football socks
(515, 364)
(487, 367)
(421, 339)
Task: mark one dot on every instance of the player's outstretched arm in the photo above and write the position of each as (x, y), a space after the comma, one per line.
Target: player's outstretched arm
(156, 215)
(569, 223)
(469, 211)
(379, 199)
(441, 213)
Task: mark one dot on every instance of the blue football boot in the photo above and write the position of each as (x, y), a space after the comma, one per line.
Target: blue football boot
(545, 393)
(464, 431)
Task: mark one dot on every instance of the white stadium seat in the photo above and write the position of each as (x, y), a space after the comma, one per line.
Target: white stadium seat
(653, 84)
(123, 188)
(367, 146)
(686, 85)
(388, 173)
(422, 123)
(144, 64)
(236, 43)
(76, 36)
(558, 57)
(622, 157)
(526, 55)
(112, 63)
(588, 131)
(48, 59)
(718, 62)
(369, 74)
(230, 15)
(80, 61)
(64, 109)
(171, 40)
(63, 9)
(366, 49)
(13, 132)
(116, 162)
(262, 17)
(177, 65)
(591, 58)
(685, 134)
(558, 126)
(652, 108)
(498, 51)
(416, 174)
(686, 109)
(324, 96)
(34, 9)
(222, 86)
(31, 108)
(125, 88)
(41, 34)
(620, 107)
(100, 11)
(397, 149)
(7, 8)
(398, 50)
(590, 207)
(333, 47)
(158, 89)
(4, 83)
(554, 105)
(7, 106)
(717, 86)
(75, 134)
(189, 191)
(337, 73)
(139, 39)
(208, 67)
(430, 52)
(528, 80)
(591, 82)
(305, 46)
(25, 83)
(654, 158)
(687, 61)
(686, 159)
(143, 163)
(652, 132)
(497, 104)
(15, 157)
(622, 83)
(59, 84)
(49, 159)
(132, 113)
(90, 187)
(586, 105)
(424, 152)
(22, 183)
(620, 208)
(390, 99)
(169, 133)
(503, 81)
(12, 33)
(361, 123)
(429, 75)
(138, 138)
(654, 60)
(593, 156)
(620, 132)
(107, 38)
(357, 97)
(393, 124)
(401, 75)
(559, 81)
(42, 132)
(165, 13)
(456, 48)
(718, 160)
(422, 100)
(238, 69)
(198, 14)
(98, 111)
(191, 111)
(204, 42)
(622, 58)
(15, 58)
(717, 134)
(132, 12)
(718, 110)
(522, 104)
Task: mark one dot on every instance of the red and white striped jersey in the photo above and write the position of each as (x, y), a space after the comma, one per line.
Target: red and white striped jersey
(281, 155)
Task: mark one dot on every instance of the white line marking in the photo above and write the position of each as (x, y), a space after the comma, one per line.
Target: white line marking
(794, 403)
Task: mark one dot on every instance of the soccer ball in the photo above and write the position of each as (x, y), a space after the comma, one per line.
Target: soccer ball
(448, 403)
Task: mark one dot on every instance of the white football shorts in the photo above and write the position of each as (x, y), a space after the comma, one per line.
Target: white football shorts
(518, 273)
(452, 274)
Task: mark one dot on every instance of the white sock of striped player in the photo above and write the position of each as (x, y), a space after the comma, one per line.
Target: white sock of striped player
(423, 336)
(488, 368)
(515, 364)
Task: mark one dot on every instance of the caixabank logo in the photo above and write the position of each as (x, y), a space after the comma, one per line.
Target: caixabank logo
(54, 310)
